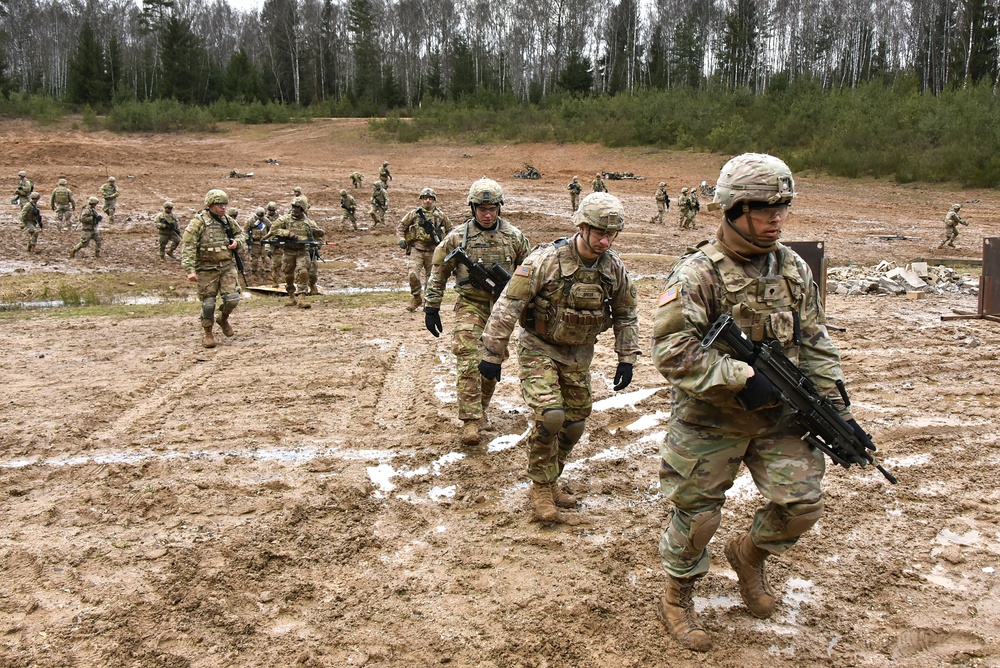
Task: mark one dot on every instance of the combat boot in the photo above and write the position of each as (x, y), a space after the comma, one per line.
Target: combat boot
(313, 290)
(470, 433)
(676, 612)
(72, 254)
(291, 301)
(540, 496)
(223, 320)
(562, 498)
(304, 304)
(208, 341)
(748, 561)
(415, 303)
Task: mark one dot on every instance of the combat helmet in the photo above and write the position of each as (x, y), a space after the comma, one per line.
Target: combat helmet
(216, 196)
(111, 179)
(663, 184)
(485, 190)
(62, 182)
(576, 178)
(233, 213)
(271, 206)
(22, 173)
(753, 177)
(168, 205)
(956, 207)
(385, 163)
(35, 195)
(260, 213)
(343, 192)
(300, 202)
(92, 200)
(428, 192)
(684, 191)
(601, 211)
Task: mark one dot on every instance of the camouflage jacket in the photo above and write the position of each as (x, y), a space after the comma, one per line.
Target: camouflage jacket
(303, 228)
(383, 173)
(563, 305)
(62, 196)
(661, 195)
(31, 217)
(273, 217)
(683, 202)
(348, 203)
(599, 186)
(412, 231)
(952, 219)
(206, 243)
(574, 187)
(503, 244)
(379, 199)
(24, 187)
(781, 304)
(258, 228)
(109, 191)
(89, 218)
(166, 222)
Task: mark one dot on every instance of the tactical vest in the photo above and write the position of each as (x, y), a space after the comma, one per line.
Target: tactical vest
(108, 190)
(577, 308)
(416, 233)
(166, 222)
(88, 219)
(259, 227)
(764, 307)
(61, 196)
(485, 247)
(213, 246)
(378, 199)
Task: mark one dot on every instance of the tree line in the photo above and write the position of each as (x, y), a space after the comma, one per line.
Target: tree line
(364, 57)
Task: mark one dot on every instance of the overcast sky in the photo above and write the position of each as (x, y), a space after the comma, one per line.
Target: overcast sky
(246, 5)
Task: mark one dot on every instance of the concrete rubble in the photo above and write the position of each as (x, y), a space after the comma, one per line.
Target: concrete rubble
(913, 280)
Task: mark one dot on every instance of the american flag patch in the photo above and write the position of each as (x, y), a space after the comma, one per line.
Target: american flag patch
(523, 270)
(668, 296)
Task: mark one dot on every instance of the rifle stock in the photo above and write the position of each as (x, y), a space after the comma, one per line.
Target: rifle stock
(824, 428)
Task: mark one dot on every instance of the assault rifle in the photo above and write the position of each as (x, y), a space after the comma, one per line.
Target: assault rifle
(428, 227)
(311, 244)
(236, 251)
(491, 278)
(824, 427)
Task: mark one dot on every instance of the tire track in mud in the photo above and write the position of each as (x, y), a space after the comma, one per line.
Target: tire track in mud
(404, 398)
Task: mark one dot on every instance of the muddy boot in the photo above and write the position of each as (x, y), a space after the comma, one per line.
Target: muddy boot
(291, 301)
(208, 341)
(540, 496)
(223, 320)
(748, 561)
(303, 303)
(563, 499)
(415, 303)
(313, 290)
(470, 433)
(676, 612)
(72, 254)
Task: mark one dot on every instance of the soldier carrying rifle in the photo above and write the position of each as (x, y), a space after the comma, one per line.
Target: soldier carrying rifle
(419, 232)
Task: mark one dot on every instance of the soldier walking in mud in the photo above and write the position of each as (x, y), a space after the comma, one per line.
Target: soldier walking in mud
(419, 232)
(598, 184)
(487, 238)
(274, 253)
(694, 206)
(357, 178)
(211, 241)
(23, 189)
(662, 203)
(384, 175)
(109, 191)
(724, 411)
(89, 220)
(169, 230)
(31, 221)
(380, 204)
(951, 222)
(260, 257)
(565, 294)
(575, 189)
(350, 207)
(683, 203)
(64, 205)
(293, 229)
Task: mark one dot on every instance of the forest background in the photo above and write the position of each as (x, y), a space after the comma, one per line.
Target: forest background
(887, 88)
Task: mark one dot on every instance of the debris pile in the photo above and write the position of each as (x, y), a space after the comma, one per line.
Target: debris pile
(240, 175)
(914, 280)
(618, 176)
(272, 161)
(529, 173)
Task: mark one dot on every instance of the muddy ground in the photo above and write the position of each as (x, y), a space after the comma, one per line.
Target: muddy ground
(299, 496)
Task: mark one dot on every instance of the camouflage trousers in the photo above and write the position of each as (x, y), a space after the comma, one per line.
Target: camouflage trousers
(109, 207)
(64, 217)
(85, 239)
(277, 255)
(700, 463)
(260, 263)
(474, 391)
(296, 264)
(661, 208)
(418, 269)
(356, 181)
(217, 281)
(168, 237)
(32, 233)
(350, 217)
(950, 234)
(574, 201)
(550, 385)
(378, 215)
(687, 219)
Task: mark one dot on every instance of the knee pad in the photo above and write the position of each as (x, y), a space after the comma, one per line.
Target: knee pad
(800, 517)
(703, 527)
(208, 308)
(571, 432)
(230, 301)
(550, 424)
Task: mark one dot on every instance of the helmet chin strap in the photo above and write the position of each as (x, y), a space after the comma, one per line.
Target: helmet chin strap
(753, 232)
(585, 238)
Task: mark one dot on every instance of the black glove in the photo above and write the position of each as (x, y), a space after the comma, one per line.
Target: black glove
(489, 370)
(862, 435)
(402, 244)
(623, 376)
(432, 320)
(758, 392)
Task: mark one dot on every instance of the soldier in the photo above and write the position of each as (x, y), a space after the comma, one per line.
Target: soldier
(951, 222)
(380, 203)
(487, 238)
(575, 189)
(64, 205)
(233, 213)
(683, 202)
(598, 184)
(210, 240)
(694, 206)
(419, 232)
(109, 191)
(23, 189)
(169, 230)
(31, 221)
(292, 227)
(565, 294)
(89, 220)
(384, 175)
(357, 178)
(724, 412)
(350, 207)
(662, 203)
(274, 252)
(260, 260)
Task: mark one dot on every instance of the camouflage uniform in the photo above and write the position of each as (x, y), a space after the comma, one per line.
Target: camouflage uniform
(350, 207)
(683, 204)
(291, 227)
(563, 305)
(502, 243)
(575, 189)
(357, 178)
(23, 189)
(206, 254)
(599, 185)
(109, 191)
(260, 260)
(31, 221)
(951, 223)
(64, 205)
(380, 203)
(274, 252)
(694, 206)
(720, 419)
(420, 244)
(384, 175)
(662, 203)
(89, 220)
(169, 230)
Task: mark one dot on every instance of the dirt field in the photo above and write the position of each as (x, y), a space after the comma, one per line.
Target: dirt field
(299, 496)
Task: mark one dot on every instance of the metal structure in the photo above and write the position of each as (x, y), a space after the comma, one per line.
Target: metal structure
(813, 252)
(989, 286)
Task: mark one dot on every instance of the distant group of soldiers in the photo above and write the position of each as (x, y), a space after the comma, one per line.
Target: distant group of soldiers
(688, 204)
(64, 205)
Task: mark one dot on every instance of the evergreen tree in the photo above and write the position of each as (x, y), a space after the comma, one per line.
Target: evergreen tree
(367, 61)
(241, 83)
(578, 75)
(86, 82)
(687, 54)
(740, 53)
(180, 61)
